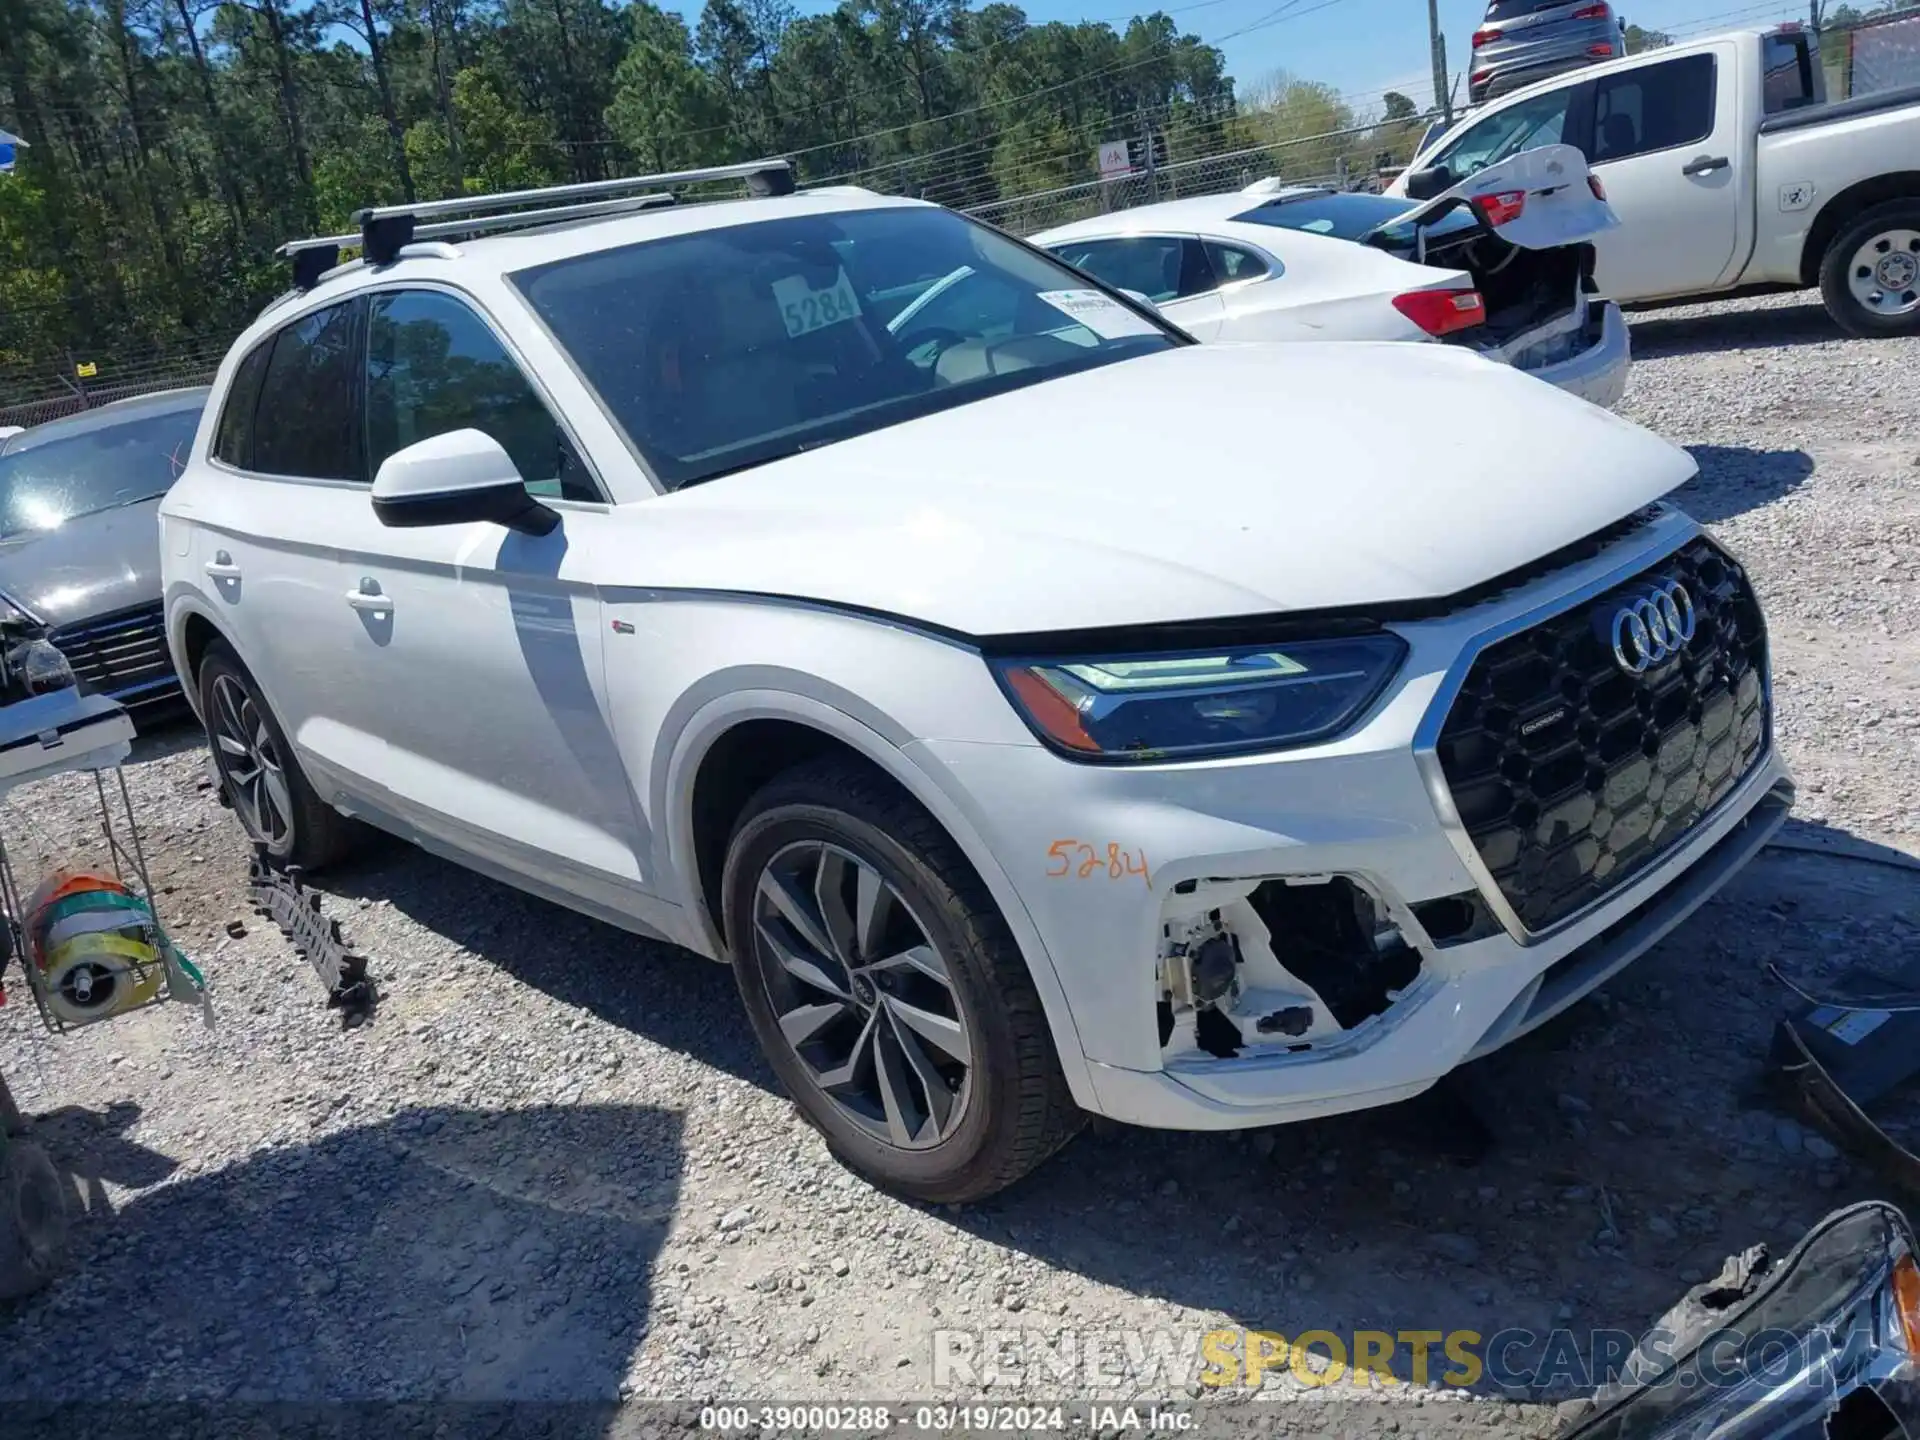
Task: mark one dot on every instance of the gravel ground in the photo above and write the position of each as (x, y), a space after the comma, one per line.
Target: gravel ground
(554, 1167)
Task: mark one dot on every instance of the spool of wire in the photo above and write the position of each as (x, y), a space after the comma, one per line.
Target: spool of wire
(95, 947)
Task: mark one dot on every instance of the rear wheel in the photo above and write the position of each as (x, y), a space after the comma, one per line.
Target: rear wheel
(271, 796)
(1870, 275)
(886, 990)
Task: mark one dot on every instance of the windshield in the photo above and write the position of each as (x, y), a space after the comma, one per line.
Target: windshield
(45, 485)
(727, 348)
(1349, 216)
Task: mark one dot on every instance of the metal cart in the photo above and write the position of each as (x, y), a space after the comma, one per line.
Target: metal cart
(50, 735)
(41, 737)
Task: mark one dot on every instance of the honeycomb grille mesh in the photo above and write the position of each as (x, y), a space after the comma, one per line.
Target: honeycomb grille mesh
(1570, 774)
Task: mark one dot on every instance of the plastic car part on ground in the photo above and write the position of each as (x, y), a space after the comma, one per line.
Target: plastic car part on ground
(1843, 1050)
(282, 896)
(1823, 1344)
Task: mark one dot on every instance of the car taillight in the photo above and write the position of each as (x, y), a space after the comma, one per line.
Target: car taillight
(1485, 37)
(1600, 51)
(1592, 12)
(1441, 312)
(1504, 205)
(1599, 190)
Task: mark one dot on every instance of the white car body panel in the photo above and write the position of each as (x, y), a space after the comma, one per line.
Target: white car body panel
(1325, 288)
(1560, 208)
(1747, 222)
(538, 708)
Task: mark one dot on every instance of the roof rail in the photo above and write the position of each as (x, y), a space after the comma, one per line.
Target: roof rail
(385, 229)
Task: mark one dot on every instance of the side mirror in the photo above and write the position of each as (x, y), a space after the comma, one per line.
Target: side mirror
(455, 479)
(1426, 184)
(1139, 299)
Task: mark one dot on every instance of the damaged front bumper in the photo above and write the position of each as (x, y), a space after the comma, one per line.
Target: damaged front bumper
(1272, 937)
(1823, 1345)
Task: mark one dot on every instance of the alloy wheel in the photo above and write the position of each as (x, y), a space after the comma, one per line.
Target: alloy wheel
(250, 762)
(1884, 274)
(862, 994)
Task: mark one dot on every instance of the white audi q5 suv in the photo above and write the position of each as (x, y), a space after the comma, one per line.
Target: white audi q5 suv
(1041, 712)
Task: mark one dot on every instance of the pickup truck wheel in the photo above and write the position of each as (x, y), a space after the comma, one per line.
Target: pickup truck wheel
(886, 989)
(1870, 276)
(271, 796)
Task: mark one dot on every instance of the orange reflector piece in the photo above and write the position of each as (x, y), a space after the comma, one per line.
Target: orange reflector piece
(1056, 716)
(1906, 1301)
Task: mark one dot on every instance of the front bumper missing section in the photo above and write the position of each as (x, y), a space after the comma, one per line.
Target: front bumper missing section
(1460, 1008)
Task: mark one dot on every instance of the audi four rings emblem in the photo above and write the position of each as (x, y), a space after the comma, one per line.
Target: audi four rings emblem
(1654, 628)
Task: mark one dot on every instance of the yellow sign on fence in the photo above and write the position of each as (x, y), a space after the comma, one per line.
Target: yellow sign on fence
(86, 369)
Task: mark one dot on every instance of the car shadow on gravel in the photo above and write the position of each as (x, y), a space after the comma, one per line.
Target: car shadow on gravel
(656, 990)
(1659, 333)
(1628, 1152)
(1734, 479)
(446, 1255)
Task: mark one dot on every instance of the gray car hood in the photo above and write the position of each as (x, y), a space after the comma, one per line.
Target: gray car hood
(92, 565)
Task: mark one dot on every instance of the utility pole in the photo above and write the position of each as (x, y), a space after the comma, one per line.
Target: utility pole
(1437, 49)
(1153, 171)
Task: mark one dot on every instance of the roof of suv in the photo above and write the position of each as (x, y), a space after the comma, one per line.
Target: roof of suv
(519, 249)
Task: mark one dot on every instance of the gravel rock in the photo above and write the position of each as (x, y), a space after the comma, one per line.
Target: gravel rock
(1456, 1249)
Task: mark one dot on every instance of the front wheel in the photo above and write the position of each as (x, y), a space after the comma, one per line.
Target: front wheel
(272, 798)
(1870, 275)
(886, 989)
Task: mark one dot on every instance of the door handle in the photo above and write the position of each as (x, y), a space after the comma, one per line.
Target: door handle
(370, 597)
(1704, 165)
(221, 567)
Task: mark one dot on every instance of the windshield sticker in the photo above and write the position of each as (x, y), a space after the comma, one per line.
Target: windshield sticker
(1102, 314)
(805, 309)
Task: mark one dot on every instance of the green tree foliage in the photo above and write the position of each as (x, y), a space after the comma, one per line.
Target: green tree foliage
(1639, 39)
(172, 144)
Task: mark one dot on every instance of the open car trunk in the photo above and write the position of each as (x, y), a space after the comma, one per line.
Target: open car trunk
(1523, 229)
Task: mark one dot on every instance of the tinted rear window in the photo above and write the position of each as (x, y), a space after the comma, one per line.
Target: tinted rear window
(45, 485)
(307, 421)
(233, 440)
(1499, 10)
(1347, 216)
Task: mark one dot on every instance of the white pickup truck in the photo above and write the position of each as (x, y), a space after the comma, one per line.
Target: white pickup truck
(1729, 170)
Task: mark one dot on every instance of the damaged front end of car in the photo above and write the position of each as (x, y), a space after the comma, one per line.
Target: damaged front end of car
(1823, 1344)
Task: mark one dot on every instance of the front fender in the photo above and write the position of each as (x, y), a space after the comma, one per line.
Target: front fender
(672, 797)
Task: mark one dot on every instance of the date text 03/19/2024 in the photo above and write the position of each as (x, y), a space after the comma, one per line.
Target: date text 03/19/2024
(946, 1419)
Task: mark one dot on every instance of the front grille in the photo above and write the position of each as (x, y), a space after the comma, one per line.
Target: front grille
(123, 655)
(1569, 774)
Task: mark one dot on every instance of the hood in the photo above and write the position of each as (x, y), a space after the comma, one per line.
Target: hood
(92, 565)
(1204, 482)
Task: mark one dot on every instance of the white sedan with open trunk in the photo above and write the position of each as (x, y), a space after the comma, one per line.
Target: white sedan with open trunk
(1501, 263)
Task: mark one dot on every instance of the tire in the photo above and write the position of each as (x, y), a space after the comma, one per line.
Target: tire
(1007, 1108)
(1877, 252)
(311, 833)
(33, 1219)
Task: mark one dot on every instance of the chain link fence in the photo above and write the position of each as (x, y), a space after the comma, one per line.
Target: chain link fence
(34, 394)
(1311, 160)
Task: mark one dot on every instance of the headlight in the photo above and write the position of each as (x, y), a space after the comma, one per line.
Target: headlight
(1177, 706)
(37, 667)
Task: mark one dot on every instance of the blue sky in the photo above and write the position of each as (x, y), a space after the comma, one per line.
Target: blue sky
(1360, 46)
